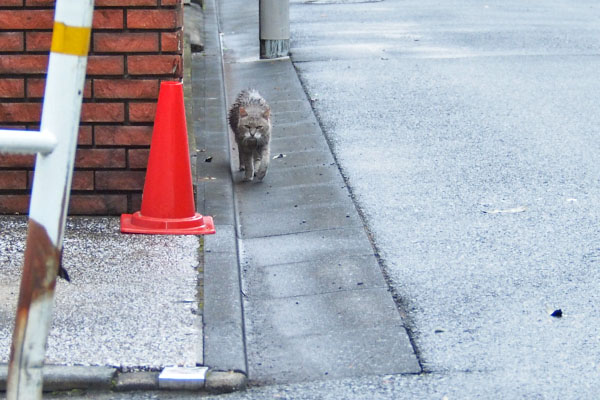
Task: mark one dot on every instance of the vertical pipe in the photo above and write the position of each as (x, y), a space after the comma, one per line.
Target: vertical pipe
(274, 28)
(50, 197)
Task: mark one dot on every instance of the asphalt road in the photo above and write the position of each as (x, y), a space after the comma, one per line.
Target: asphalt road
(468, 132)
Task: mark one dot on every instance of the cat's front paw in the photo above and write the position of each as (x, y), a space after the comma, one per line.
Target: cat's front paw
(260, 175)
(248, 176)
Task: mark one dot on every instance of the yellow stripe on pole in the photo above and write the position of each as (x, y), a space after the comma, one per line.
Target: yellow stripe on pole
(73, 40)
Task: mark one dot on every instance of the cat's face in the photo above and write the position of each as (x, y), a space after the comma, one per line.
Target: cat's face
(253, 124)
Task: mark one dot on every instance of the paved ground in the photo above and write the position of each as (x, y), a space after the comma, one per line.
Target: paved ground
(315, 304)
(468, 133)
(132, 302)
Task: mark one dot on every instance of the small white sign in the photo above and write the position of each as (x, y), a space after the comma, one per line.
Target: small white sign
(189, 378)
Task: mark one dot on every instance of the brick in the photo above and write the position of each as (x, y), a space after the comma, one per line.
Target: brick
(138, 158)
(102, 112)
(125, 89)
(13, 180)
(124, 3)
(87, 89)
(125, 42)
(85, 135)
(100, 158)
(108, 19)
(17, 160)
(37, 3)
(83, 180)
(105, 65)
(120, 180)
(36, 87)
(38, 41)
(14, 204)
(171, 41)
(136, 202)
(170, 2)
(26, 19)
(98, 204)
(12, 88)
(153, 19)
(11, 41)
(123, 135)
(23, 64)
(11, 3)
(20, 112)
(142, 112)
(154, 65)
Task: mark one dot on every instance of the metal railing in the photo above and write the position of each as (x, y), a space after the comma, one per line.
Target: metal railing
(55, 145)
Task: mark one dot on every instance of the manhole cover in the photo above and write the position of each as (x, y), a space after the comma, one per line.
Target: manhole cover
(340, 1)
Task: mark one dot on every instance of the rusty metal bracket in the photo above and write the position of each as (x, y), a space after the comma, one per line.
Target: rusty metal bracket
(38, 281)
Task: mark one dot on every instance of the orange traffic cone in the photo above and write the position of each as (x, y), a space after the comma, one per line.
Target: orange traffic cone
(168, 198)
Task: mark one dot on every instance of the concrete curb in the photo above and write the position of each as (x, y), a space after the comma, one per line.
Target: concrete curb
(225, 381)
(58, 377)
(224, 341)
(65, 378)
(141, 380)
(224, 346)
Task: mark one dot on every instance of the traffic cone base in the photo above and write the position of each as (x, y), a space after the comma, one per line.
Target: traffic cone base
(196, 225)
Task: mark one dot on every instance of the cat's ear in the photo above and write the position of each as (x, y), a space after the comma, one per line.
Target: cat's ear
(243, 112)
(267, 113)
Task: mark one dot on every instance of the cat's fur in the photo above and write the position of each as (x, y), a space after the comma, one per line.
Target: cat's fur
(250, 121)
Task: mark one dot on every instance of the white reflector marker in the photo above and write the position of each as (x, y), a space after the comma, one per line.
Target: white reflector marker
(186, 378)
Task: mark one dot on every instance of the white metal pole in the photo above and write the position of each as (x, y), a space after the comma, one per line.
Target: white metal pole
(50, 196)
(274, 27)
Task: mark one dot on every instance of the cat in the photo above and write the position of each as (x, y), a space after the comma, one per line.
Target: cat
(250, 121)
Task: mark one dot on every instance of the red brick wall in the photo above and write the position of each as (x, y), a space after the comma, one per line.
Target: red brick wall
(135, 44)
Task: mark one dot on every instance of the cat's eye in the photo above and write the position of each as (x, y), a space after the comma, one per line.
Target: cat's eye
(247, 126)
(259, 127)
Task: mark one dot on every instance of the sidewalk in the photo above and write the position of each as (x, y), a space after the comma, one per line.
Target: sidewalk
(314, 303)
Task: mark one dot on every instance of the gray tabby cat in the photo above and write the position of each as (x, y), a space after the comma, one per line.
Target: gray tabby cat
(250, 121)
